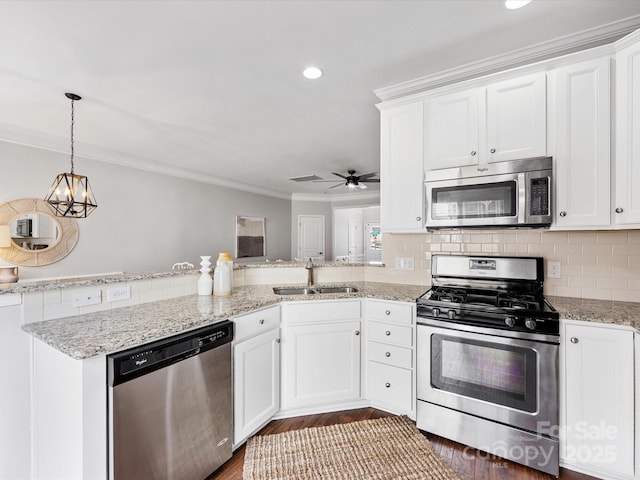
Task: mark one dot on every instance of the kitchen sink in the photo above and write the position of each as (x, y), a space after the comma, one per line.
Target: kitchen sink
(337, 289)
(294, 291)
(312, 290)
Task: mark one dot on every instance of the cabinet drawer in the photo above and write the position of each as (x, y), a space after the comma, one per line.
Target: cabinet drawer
(390, 354)
(390, 385)
(318, 310)
(390, 312)
(256, 322)
(393, 334)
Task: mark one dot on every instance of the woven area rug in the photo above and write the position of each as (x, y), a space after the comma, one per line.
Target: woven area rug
(390, 448)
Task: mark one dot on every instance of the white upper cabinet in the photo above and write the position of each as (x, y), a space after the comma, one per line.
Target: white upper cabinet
(517, 118)
(402, 168)
(452, 129)
(627, 164)
(503, 121)
(583, 152)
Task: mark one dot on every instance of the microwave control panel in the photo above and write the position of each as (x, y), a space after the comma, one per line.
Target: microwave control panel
(539, 196)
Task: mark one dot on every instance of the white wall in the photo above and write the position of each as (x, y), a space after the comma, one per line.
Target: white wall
(144, 221)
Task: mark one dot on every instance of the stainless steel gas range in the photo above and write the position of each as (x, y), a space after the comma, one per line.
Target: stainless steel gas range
(487, 367)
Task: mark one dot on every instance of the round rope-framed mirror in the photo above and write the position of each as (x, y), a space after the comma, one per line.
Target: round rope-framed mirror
(37, 237)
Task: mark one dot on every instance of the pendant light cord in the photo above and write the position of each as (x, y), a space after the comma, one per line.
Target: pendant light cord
(72, 122)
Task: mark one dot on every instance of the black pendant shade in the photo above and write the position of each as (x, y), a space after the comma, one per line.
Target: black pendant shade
(70, 194)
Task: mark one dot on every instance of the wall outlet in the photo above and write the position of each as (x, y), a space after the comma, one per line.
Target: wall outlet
(90, 297)
(553, 269)
(404, 263)
(118, 293)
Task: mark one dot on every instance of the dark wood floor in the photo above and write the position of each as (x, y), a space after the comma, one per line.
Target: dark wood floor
(480, 466)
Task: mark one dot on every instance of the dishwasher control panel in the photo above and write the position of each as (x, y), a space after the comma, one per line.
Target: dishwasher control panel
(137, 361)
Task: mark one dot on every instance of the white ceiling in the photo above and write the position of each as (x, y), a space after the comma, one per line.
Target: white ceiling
(213, 89)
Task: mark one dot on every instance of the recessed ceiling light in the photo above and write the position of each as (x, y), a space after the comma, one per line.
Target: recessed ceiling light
(312, 73)
(515, 4)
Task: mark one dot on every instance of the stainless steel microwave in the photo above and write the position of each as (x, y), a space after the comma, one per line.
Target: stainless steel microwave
(502, 194)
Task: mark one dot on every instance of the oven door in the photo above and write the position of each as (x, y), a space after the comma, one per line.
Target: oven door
(507, 380)
(479, 201)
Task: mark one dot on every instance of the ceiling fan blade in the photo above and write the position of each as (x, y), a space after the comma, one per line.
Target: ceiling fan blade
(341, 176)
(371, 180)
(324, 181)
(362, 186)
(367, 175)
(337, 185)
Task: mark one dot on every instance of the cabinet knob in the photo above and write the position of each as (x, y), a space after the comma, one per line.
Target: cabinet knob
(357, 332)
(574, 340)
(619, 210)
(387, 333)
(277, 340)
(261, 321)
(563, 214)
(473, 153)
(493, 150)
(387, 354)
(418, 219)
(387, 312)
(387, 384)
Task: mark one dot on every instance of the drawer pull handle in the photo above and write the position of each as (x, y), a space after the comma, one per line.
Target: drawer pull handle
(387, 312)
(574, 340)
(277, 340)
(493, 150)
(387, 354)
(387, 333)
(261, 321)
(387, 384)
(357, 332)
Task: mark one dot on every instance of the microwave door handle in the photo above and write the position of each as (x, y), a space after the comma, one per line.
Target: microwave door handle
(522, 199)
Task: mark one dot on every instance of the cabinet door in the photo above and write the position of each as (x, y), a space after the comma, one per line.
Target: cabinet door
(516, 118)
(451, 130)
(321, 363)
(627, 180)
(598, 399)
(402, 169)
(256, 383)
(583, 158)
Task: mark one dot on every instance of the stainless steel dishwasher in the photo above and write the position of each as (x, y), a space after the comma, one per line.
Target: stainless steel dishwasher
(170, 406)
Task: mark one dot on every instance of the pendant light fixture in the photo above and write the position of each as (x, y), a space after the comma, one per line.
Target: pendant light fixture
(70, 195)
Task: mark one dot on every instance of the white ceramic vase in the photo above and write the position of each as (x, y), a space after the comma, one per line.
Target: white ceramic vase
(205, 282)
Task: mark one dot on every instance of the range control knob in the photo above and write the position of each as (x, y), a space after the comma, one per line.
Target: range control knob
(451, 314)
(435, 312)
(530, 323)
(510, 322)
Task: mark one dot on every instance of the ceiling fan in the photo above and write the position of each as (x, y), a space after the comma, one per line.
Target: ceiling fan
(353, 181)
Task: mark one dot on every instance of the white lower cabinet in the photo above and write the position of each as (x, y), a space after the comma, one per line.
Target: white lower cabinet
(256, 370)
(390, 356)
(320, 353)
(597, 399)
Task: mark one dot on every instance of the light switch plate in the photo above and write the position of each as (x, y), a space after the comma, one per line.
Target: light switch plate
(553, 269)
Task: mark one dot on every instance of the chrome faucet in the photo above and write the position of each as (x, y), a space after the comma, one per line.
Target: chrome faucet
(309, 268)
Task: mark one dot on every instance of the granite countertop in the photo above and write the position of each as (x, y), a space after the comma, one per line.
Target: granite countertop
(109, 331)
(599, 311)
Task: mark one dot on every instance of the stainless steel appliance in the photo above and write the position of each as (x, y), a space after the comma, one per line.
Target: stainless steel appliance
(508, 194)
(487, 370)
(24, 227)
(170, 410)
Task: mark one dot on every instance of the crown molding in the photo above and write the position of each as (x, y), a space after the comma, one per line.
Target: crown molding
(43, 141)
(628, 40)
(602, 34)
(341, 197)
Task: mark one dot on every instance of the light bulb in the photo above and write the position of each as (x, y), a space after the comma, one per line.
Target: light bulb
(515, 4)
(312, 73)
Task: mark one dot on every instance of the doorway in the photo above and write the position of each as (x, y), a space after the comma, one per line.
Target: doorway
(355, 236)
(311, 238)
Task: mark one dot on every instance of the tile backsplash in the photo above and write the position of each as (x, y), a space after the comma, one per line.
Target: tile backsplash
(594, 264)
